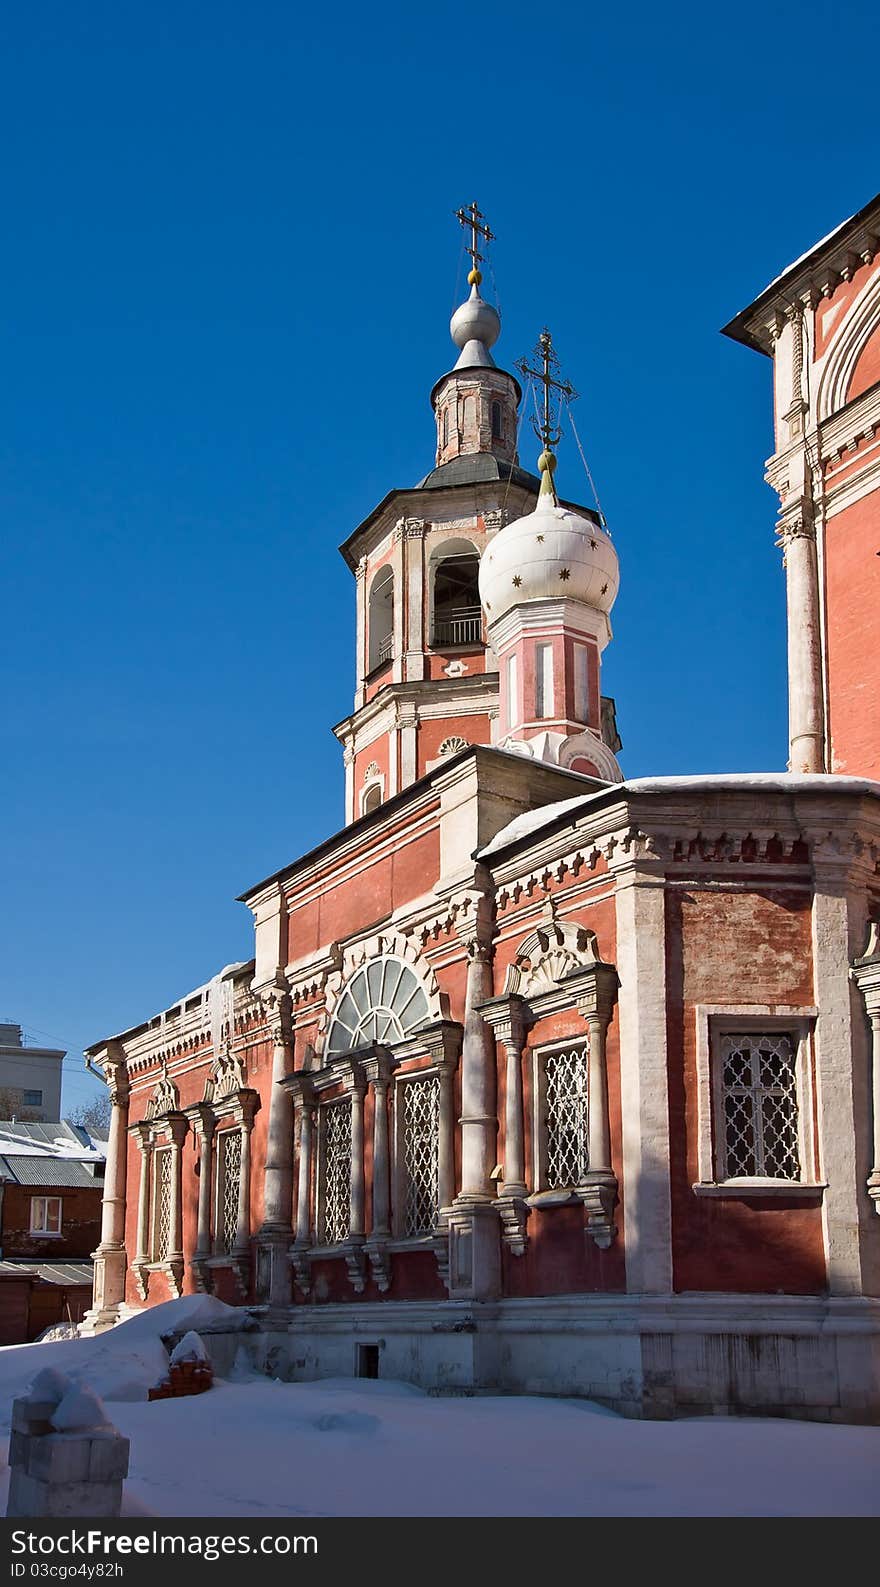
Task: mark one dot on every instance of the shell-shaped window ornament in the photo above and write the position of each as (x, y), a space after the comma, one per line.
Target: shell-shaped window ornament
(383, 1002)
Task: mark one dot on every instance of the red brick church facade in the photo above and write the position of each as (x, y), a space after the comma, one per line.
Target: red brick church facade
(541, 1079)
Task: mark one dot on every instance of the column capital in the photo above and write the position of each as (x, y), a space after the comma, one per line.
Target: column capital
(300, 1087)
(277, 1009)
(177, 1125)
(594, 989)
(442, 1041)
(115, 1067)
(509, 1017)
(202, 1119)
(378, 1065)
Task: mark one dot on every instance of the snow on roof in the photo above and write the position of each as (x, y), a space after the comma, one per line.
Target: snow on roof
(711, 782)
(203, 991)
(49, 1140)
(803, 257)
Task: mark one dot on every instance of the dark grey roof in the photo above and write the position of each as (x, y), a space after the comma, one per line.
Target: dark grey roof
(61, 1172)
(51, 1272)
(473, 467)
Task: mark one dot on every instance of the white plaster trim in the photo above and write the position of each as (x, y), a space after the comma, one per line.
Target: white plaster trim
(850, 338)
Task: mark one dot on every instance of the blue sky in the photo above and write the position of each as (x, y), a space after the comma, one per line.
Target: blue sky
(228, 268)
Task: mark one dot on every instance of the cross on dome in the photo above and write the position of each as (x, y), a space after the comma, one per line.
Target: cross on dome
(547, 428)
(473, 219)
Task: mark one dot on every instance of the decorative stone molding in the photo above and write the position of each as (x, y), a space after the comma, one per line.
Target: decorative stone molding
(225, 1077)
(557, 966)
(552, 951)
(453, 746)
(866, 974)
(509, 1018)
(165, 1098)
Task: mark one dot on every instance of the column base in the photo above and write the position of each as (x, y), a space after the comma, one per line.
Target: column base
(274, 1284)
(874, 1189)
(474, 1250)
(301, 1263)
(108, 1286)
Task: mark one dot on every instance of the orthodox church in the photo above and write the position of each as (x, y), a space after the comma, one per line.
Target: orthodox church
(540, 1079)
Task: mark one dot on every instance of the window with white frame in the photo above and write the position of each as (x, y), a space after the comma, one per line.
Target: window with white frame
(562, 1123)
(758, 1122)
(418, 1103)
(755, 1120)
(160, 1223)
(45, 1215)
(227, 1189)
(334, 1201)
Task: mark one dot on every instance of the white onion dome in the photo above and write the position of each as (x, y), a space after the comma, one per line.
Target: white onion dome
(551, 554)
(475, 322)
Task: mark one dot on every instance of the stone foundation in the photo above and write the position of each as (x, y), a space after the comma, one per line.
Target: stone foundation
(655, 1357)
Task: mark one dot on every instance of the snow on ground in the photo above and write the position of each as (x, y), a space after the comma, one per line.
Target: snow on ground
(261, 1448)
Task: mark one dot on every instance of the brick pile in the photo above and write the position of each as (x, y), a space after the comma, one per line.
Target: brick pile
(184, 1377)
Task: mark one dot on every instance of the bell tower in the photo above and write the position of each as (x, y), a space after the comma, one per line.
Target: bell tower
(427, 681)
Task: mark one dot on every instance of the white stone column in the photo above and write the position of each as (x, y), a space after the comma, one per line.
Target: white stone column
(407, 719)
(177, 1126)
(473, 1223)
(381, 1158)
(377, 1070)
(843, 1062)
(110, 1257)
(805, 700)
(205, 1129)
(446, 1136)
(243, 1224)
(358, 1179)
(415, 595)
(144, 1141)
(479, 1118)
(644, 1083)
(361, 657)
(276, 1230)
(600, 1129)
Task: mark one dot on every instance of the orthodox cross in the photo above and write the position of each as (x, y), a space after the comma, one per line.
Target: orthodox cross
(473, 220)
(547, 428)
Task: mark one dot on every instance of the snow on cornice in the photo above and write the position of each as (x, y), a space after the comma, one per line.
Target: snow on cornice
(711, 782)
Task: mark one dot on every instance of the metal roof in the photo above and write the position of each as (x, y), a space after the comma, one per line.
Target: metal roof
(50, 1272)
(62, 1172)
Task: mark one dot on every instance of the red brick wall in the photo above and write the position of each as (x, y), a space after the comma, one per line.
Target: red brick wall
(730, 947)
(80, 1223)
(852, 585)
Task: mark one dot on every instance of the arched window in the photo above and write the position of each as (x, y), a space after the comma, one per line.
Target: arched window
(380, 619)
(371, 798)
(383, 1001)
(457, 615)
(497, 422)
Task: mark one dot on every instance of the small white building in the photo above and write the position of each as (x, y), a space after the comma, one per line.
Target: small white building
(30, 1077)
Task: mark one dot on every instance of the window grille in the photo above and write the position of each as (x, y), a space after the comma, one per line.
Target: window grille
(336, 1156)
(162, 1204)
(421, 1130)
(759, 1090)
(229, 1179)
(567, 1117)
